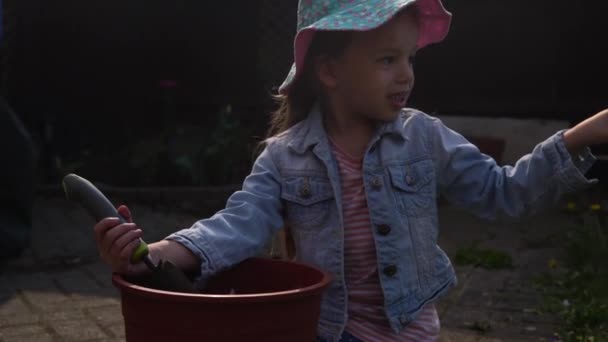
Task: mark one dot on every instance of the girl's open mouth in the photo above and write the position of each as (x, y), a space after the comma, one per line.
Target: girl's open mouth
(398, 100)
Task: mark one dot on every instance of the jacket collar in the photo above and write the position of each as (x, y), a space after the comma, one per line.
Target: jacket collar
(312, 130)
(395, 127)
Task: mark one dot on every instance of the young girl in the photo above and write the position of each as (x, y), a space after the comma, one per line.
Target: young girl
(355, 176)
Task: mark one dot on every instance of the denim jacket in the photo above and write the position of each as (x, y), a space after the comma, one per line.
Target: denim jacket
(408, 163)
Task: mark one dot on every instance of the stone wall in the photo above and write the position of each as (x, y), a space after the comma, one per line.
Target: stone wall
(519, 135)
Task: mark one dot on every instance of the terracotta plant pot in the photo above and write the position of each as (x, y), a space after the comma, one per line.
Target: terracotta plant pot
(272, 300)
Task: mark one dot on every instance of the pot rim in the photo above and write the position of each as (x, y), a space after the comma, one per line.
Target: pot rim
(126, 287)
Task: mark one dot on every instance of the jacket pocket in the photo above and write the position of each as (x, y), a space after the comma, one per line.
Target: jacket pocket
(307, 201)
(413, 185)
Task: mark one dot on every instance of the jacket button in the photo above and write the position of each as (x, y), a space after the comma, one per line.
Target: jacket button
(305, 191)
(376, 183)
(409, 180)
(390, 270)
(384, 229)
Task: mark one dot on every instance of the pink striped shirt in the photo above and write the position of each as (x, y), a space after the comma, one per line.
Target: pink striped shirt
(366, 317)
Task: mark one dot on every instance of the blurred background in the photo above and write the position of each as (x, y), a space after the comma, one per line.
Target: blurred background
(140, 92)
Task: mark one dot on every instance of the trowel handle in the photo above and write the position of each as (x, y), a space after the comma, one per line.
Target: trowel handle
(82, 191)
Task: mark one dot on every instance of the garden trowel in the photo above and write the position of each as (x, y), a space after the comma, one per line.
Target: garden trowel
(164, 276)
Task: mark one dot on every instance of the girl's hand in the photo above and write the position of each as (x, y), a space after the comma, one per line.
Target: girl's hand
(116, 243)
(593, 131)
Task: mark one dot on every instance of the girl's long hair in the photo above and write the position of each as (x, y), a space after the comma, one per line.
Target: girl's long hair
(305, 90)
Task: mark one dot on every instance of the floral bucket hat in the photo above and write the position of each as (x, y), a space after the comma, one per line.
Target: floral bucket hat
(361, 15)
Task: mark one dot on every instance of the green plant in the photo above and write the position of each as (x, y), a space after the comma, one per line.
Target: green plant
(219, 152)
(580, 299)
(229, 152)
(586, 243)
(486, 258)
(578, 293)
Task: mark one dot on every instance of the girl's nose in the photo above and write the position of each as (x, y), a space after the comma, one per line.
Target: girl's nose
(406, 73)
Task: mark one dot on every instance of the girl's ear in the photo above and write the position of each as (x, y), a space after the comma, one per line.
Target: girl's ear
(326, 72)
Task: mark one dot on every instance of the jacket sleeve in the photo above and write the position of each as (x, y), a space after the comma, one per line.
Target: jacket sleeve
(472, 180)
(241, 230)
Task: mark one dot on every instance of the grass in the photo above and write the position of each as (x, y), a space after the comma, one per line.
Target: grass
(578, 290)
(486, 258)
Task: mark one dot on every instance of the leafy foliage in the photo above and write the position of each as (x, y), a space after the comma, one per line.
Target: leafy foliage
(579, 292)
(486, 258)
(181, 155)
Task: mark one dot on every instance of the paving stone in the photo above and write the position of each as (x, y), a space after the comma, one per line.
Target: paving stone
(75, 281)
(106, 315)
(443, 305)
(118, 329)
(61, 233)
(31, 281)
(449, 335)
(478, 298)
(18, 318)
(46, 300)
(489, 280)
(77, 330)
(518, 302)
(101, 273)
(463, 273)
(463, 318)
(13, 305)
(516, 326)
(21, 330)
(42, 337)
(62, 315)
(79, 280)
(95, 302)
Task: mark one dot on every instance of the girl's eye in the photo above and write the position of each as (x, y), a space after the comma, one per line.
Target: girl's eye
(412, 59)
(387, 60)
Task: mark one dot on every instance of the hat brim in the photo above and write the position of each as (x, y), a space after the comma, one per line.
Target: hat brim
(434, 24)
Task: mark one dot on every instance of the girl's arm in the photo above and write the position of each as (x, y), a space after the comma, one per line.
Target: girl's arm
(592, 131)
(176, 253)
(117, 241)
(241, 230)
(474, 181)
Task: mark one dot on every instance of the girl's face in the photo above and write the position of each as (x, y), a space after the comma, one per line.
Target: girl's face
(374, 76)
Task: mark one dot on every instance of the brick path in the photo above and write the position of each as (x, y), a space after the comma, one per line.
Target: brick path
(59, 291)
